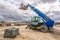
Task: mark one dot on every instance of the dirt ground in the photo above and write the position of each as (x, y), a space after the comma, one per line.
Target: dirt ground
(29, 34)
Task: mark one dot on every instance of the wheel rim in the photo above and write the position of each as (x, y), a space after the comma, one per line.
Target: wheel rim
(43, 29)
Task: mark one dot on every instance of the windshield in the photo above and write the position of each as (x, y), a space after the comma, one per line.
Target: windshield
(35, 19)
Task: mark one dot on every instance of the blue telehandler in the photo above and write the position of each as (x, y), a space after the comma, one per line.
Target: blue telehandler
(45, 25)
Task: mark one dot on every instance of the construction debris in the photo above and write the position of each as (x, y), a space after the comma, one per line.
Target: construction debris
(11, 33)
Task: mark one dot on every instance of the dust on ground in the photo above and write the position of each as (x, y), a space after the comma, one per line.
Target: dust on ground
(29, 34)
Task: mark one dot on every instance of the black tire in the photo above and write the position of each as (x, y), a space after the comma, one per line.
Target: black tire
(43, 28)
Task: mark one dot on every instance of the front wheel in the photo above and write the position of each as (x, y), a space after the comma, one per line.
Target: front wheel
(43, 28)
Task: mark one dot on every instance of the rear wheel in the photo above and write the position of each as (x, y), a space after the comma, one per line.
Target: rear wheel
(43, 28)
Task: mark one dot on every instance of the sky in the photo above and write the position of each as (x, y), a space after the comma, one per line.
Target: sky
(9, 9)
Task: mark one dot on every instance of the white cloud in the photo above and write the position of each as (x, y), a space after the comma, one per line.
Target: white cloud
(48, 1)
(11, 7)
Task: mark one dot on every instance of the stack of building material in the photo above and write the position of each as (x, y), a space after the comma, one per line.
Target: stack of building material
(12, 32)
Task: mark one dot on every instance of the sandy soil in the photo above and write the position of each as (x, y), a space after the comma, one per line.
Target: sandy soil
(29, 34)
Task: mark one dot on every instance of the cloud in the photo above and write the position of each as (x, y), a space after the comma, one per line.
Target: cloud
(52, 10)
(9, 9)
(48, 1)
(9, 12)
